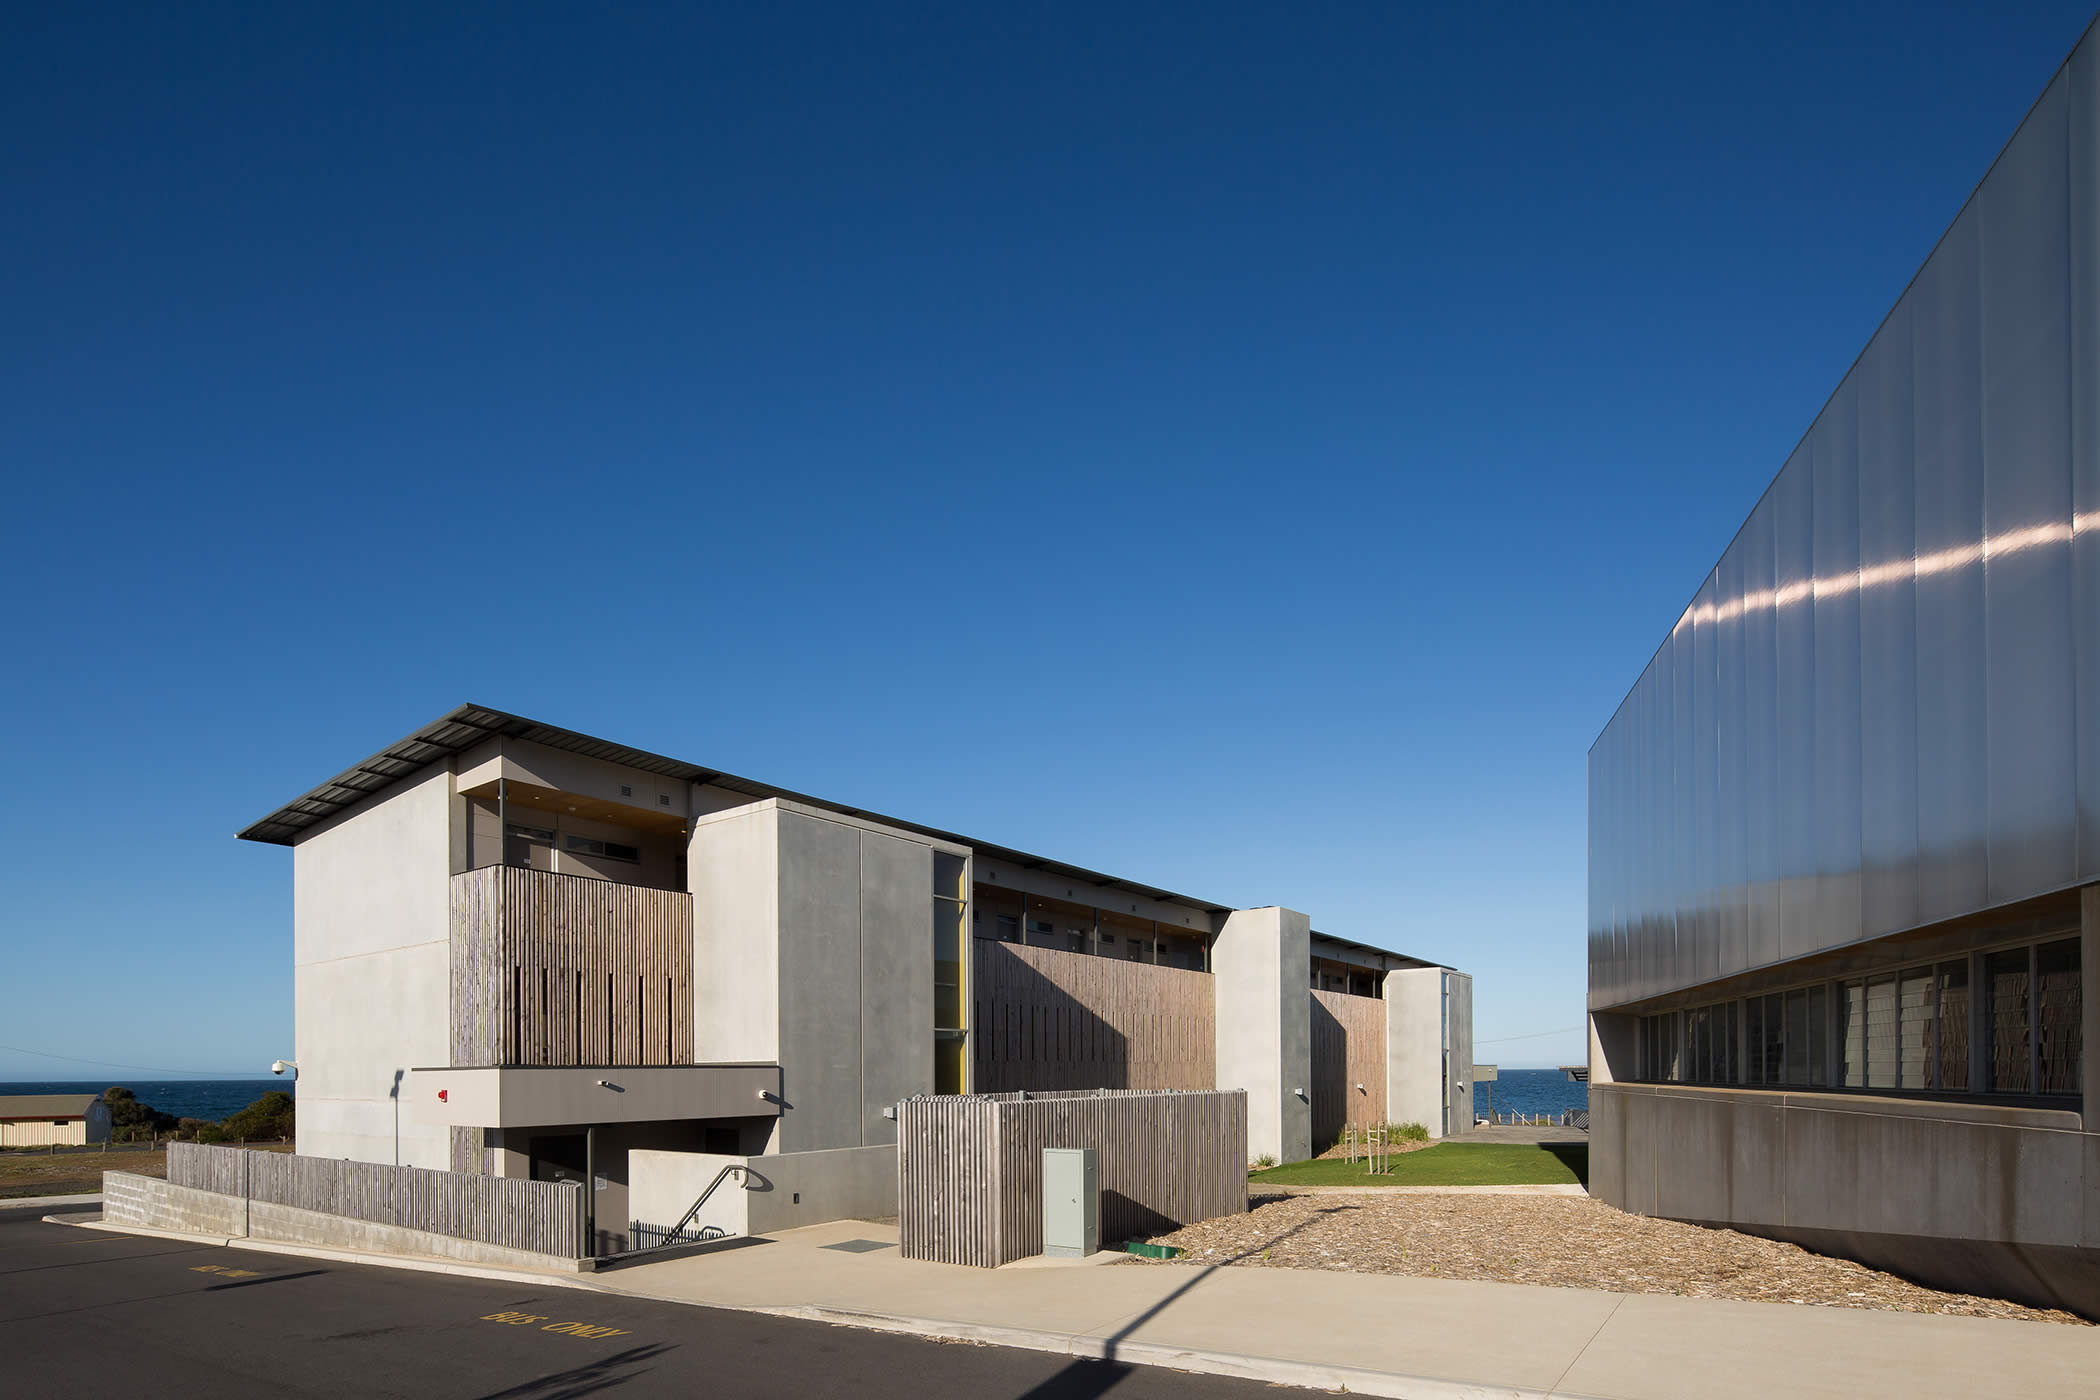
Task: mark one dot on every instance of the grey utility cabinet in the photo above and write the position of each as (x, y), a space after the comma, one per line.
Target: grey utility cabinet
(1071, 1203)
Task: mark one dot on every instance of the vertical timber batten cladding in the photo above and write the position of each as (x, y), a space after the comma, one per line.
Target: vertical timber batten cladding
(544, 1217)
(1348, 1049)
(1049, 1019)
(970, 1168)
(566, 970)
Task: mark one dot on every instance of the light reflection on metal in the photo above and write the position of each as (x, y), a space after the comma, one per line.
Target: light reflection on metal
(1882, 708)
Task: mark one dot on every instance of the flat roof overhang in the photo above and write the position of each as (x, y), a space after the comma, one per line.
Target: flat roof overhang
(506, 1096)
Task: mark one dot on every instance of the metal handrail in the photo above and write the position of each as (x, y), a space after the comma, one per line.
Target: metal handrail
(694, 1209)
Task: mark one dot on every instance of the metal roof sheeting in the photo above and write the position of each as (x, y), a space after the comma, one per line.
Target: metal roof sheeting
(461, 729)
(26, 1107)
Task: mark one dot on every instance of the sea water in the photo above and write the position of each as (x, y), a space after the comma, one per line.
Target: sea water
(1530, 1092)
(209, 1099)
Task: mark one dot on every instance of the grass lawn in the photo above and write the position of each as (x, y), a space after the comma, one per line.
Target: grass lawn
(1447, 1164)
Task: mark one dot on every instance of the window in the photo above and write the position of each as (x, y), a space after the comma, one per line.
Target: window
(2006, 985)
(531, 833)
(2059, 1035)
(1951, 1025)
(951, 1039)
(1009, 928)
(610, 850)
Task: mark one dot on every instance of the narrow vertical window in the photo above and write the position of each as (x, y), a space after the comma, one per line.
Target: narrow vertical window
(1819, 1036)
(1753, 1040)
(950, 976)
(1952, 1028)
(2008, 995)
(1797, 1037)
(1855, 1035)
(1914, 1029)
(1881, 1033)
(2059, 1038)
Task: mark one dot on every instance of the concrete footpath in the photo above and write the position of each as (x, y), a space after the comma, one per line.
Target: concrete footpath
(1386, 1335)
(1370, 1334)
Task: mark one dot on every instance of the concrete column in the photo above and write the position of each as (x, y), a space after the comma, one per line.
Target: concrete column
(1414, 1047)
(1261, 961)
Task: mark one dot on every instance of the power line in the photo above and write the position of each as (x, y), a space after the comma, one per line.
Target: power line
(1534, 1035)
(112, 1064)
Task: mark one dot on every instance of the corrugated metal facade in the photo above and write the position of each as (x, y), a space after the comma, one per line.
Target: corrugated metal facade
(1882, 709)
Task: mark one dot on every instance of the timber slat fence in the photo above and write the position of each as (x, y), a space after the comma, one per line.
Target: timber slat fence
(970, 1167)
(544, 1217)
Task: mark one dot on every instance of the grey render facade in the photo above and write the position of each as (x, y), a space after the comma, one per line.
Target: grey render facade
(1844, 833)
(526, 951)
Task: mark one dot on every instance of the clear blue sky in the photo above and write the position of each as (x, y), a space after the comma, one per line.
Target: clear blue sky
(1249, 450)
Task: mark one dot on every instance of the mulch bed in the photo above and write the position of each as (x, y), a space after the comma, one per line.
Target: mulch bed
(1558, 1242)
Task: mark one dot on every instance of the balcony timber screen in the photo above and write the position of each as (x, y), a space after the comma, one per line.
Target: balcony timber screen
(970, 1166)
(1048, 1019)
(1348, 1049)
(565, 970)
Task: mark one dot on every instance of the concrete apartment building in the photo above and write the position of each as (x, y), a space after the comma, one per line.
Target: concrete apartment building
(1844, 834)
(525, 951)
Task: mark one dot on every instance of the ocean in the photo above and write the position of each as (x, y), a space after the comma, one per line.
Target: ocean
(1530, 1091)
(209, 1099)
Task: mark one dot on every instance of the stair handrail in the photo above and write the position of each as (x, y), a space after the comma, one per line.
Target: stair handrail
(694, 1209)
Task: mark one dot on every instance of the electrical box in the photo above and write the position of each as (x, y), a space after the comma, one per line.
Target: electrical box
(1071, 1203)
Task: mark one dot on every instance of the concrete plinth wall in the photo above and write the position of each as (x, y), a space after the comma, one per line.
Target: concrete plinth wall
(159, 1205)
(1264, 1026)
(1975, 1198)
(784, 1191)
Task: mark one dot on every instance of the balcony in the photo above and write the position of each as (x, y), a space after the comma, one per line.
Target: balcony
(552, 969)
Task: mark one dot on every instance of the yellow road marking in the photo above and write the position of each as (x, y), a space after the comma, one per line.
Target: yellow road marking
(590, 1331)
(221, 1269)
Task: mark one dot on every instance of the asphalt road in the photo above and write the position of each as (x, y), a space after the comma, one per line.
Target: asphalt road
(88, 1313)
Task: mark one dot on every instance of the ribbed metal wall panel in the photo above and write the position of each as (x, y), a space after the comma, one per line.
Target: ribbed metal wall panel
(1882, 708)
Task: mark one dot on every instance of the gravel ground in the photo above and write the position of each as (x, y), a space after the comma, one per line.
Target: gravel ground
(1556, 1241)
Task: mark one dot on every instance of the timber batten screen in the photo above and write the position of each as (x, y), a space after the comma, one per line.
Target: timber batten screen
(1348, 1049)
(1048, 1019)
(566, 970)
(970, 1166)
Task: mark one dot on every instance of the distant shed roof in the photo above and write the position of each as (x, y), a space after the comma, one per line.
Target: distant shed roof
(46, 1106)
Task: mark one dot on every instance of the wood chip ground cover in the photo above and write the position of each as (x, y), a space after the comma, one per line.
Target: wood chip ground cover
(1555, 1241)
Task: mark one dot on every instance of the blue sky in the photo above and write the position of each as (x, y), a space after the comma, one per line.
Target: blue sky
(1246, 449)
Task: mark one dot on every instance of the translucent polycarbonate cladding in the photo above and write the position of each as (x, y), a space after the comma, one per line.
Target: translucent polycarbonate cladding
(1882, 709)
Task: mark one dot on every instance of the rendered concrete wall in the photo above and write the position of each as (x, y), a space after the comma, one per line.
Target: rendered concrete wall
(1458, 1053)
(1972, 1197)
(371, 937)
(1414, 1047)
(733, 868)
(1264, 1026)
(813, 947)
(786, 1190)
(159, 1205)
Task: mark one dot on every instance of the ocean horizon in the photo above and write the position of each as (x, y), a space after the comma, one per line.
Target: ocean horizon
(209, 1099)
